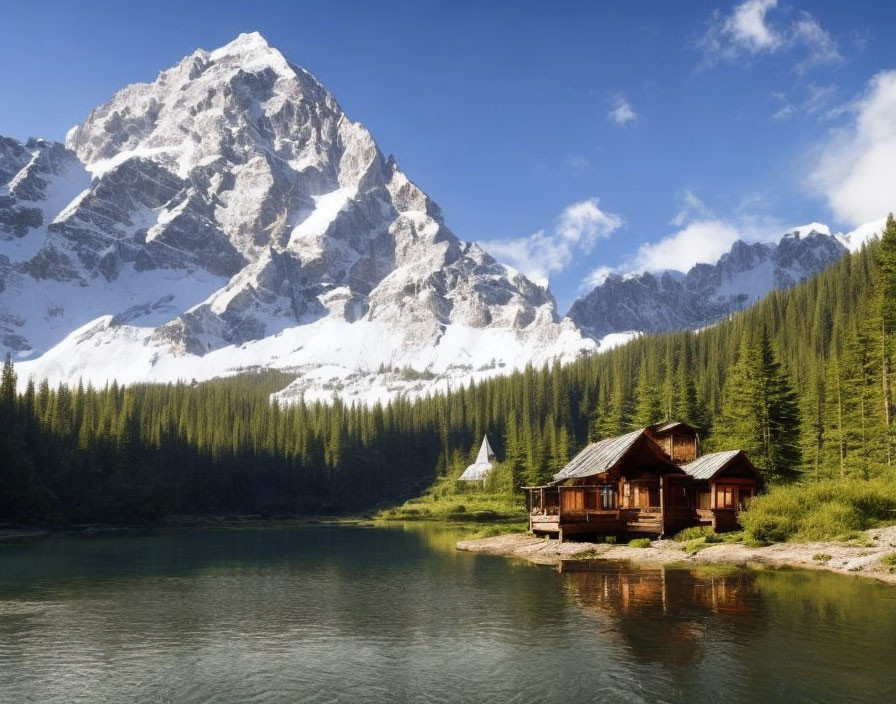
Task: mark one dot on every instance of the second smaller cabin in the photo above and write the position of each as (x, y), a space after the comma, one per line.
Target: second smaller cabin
(722, 485)
(482, 467)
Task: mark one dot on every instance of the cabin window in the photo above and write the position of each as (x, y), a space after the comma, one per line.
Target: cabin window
(703, 500)
(725, 497)
(607, 497)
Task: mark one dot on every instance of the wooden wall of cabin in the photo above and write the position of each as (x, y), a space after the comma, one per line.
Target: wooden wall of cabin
(684, 448)
(717, 503)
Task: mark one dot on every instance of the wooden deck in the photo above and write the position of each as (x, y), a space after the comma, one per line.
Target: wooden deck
(633, 521)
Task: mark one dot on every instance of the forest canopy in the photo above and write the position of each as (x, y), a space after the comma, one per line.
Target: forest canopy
(801, 381)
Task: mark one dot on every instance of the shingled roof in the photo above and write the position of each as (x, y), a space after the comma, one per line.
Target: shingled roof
(599, 457)
(664, 427)
(708, 466)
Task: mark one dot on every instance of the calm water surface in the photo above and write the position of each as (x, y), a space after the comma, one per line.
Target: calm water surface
(356, 614)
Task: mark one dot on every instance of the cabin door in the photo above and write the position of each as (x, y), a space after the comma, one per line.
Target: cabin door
(643, 496)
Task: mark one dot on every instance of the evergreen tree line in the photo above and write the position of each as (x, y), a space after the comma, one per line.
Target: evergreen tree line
(801, 381)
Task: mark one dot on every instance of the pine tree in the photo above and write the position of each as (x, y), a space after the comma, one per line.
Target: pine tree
(648, 409)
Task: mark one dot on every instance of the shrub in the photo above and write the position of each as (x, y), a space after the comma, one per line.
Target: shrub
(610, 540)
(693, 533)
(639, 543)
(822, 557)
(692, 547)
(819, 510)
(889, 561)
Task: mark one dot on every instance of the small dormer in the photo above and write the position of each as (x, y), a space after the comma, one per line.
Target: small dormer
(679, 440)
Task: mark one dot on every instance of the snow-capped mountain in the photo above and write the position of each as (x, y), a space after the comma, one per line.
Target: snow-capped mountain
(230, 216)
(674, 300)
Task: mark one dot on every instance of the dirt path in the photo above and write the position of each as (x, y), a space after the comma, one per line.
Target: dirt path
(844, 558)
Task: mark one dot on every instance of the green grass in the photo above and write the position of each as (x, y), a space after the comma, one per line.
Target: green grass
(693, 533)
(639, 543)
(448, 500)
(822, 557)
(889, 561)
(824, 510)
(590, 554)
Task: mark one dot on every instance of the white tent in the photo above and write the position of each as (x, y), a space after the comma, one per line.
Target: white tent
(478, 471)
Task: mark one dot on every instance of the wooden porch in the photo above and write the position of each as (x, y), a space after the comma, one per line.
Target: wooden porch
(637, 508)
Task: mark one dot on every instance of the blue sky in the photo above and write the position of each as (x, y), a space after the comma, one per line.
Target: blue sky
(571, 138)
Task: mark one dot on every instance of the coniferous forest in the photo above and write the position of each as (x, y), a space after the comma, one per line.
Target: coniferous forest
(802, 381)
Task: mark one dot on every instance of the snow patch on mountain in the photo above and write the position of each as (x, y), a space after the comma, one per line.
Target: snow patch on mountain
(806, 230)
(857, 238)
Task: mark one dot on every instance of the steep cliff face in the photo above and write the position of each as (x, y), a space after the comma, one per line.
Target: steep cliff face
(674, 300)
(229, 215)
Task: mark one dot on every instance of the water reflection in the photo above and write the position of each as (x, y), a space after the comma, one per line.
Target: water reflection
(395, 614)
(660, 614)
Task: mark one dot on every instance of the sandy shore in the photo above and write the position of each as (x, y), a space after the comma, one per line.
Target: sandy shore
(844, 558)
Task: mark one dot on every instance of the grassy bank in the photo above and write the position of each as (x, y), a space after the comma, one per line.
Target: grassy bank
(447, 499)
(824, 510)
(833, 509)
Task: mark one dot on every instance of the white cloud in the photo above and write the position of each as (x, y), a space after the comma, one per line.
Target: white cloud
(542, 253)
(750, 30)
(596, 278)
(699, 241)
(855, 169)
(815, 99)
(691, 208)
(701, 237)
(578, 163)
(822, 49)
(747, 26)
(621, 112)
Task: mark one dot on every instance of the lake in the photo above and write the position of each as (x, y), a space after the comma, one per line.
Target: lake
(395, 614)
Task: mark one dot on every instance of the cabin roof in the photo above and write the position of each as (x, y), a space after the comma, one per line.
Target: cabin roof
(599, 456)
(671, 425)
(710, 465)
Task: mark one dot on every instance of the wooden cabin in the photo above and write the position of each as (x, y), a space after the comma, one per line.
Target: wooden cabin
(679, 440)
(722, 484)
(625, 485)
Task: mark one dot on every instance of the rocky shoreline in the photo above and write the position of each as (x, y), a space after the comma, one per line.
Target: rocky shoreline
(844, 558)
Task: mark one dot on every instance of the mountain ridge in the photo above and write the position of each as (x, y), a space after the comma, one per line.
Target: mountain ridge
(653, 302)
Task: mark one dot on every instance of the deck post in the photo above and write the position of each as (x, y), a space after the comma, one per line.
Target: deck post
(663, 502)
(529, 508)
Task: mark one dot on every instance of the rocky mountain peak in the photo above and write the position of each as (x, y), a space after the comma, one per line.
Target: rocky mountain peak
(229, 215)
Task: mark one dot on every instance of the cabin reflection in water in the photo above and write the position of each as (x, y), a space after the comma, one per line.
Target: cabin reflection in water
(682, 604)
